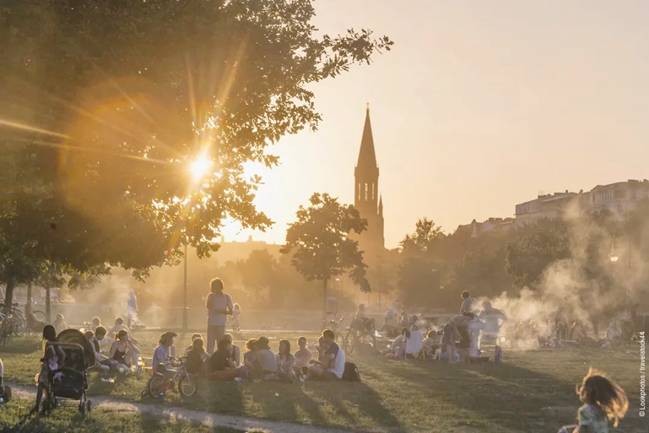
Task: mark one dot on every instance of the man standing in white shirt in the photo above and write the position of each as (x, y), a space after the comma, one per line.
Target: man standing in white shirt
(219, 305)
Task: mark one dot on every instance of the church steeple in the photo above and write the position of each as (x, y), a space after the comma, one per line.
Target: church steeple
(367, 156)
(366, 190)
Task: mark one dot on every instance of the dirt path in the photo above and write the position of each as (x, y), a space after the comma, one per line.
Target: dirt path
(175, 413)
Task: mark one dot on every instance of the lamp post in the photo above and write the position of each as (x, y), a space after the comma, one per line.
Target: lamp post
(198, 168)
(185, 289)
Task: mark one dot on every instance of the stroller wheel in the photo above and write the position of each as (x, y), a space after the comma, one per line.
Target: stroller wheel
(88, 406)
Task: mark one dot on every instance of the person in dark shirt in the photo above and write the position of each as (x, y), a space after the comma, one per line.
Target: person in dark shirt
(196, 357)
(220, 366)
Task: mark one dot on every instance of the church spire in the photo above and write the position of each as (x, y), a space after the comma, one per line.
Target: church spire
(367, 156)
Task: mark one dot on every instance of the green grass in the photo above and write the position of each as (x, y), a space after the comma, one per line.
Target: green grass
(413, 396)
(13, 417)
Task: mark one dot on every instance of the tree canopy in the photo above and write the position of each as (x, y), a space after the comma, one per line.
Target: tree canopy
(104, 108)
(321, 243)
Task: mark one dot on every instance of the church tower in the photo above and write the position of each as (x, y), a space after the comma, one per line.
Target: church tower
(366, 196)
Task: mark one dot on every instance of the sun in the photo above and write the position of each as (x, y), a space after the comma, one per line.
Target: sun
(200, 167)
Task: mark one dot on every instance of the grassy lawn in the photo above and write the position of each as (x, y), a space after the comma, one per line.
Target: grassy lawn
(413, 396)
(67, 419)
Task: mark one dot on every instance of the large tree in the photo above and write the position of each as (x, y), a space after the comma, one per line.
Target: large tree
(108, 104)
(320, 242)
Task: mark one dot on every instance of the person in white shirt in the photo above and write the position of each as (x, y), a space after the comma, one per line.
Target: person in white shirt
(219, 306)
(415, 342)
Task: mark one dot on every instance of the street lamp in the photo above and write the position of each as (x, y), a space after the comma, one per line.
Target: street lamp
(198, 168)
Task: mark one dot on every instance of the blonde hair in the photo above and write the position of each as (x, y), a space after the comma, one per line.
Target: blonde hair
(600, 391)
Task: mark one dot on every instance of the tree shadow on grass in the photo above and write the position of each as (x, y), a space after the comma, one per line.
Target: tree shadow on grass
(281, 401)
(218, 397)
(368, 403)
(506, 395)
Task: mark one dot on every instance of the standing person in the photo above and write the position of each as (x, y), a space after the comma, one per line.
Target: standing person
(467, 303)
(218, 305)
(51, 362)
(131, 308)
(236, 315)
(605, 403)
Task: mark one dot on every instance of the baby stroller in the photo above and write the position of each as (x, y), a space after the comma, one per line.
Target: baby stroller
(71, 380)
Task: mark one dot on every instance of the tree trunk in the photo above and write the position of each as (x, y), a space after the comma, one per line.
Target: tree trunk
(324, 298)
(9, 295)
(48, 305)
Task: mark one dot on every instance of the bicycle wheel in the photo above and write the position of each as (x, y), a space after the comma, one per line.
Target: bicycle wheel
(187, 386)
(156, 385)
(39, 315)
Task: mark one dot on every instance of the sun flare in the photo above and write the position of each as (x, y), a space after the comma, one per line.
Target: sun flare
(200, 167)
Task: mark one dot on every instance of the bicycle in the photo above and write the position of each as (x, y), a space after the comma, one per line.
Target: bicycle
(170, 377)
(360, 333)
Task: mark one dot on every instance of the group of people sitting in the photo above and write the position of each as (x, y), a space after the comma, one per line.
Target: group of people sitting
(457, 340)
(116, 351)
(258, 362)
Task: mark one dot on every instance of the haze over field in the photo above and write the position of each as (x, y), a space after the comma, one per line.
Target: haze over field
(505, 99)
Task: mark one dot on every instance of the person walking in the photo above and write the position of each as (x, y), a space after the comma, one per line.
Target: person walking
(219, 305)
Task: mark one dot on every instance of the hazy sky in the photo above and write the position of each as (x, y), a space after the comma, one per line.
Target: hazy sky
(480, 105)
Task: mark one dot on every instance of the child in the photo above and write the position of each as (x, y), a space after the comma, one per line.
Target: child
(195, 337)
(605, 403)
(51, 362)
(236, 314)
(235, 352)
(285, 362)
(196, 357)
(303, 355)
(164, 353)
(431, 344)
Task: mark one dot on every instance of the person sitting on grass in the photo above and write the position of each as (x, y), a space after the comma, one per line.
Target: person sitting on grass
(303, 355)
(285, 362)
(96, 322)
(220, 366)
(235, 356)
(605, 404)
(102, 368)
(331, 365)
(102, 341)
(60, 324)
(430, 345)
(119, 354)
(196, 357)
(265, 360)
(164, 354)
(398, 345)
(51, 362)
(249, 358)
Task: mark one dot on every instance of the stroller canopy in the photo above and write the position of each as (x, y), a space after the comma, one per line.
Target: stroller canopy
(74, 336)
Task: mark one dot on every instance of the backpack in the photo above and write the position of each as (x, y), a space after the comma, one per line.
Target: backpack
(351, 373)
